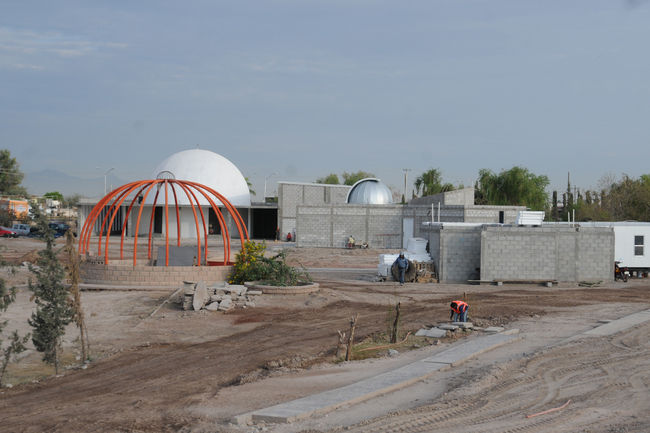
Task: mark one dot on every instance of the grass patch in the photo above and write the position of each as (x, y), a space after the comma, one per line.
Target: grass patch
(381, 344)
(31, 368)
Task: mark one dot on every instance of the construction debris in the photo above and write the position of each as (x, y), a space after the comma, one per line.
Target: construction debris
(217, 297)
(421, 267)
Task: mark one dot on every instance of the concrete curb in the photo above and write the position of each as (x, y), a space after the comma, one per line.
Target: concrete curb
(301, 289)
(106, 287)
(374, 386)
(621, 324)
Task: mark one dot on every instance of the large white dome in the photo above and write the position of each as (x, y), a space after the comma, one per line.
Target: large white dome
(206, 168)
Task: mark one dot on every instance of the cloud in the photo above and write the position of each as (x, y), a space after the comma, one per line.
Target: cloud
(23, 66)
(22, 46)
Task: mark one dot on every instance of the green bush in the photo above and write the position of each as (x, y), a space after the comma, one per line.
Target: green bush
(251, 265)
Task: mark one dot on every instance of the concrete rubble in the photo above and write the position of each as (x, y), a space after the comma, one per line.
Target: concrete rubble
(219, 296)
(440, 330)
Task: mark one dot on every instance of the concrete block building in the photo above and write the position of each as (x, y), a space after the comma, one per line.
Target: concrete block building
(320, 216)
(496, 252)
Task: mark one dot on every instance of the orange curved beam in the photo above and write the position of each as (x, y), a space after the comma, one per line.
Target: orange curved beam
(116, 205)
(225, 232)
(190, 195)
(120, 195)
(126, 218)
(137, 227)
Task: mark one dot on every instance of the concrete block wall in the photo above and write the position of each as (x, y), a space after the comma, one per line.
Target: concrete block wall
(456, 251)
(330, 226)
(515, 253)
(291, 195)
(125, 275)
(567, 254)
(422, 214)
(490, 214)
(461, 197)
(596, 254)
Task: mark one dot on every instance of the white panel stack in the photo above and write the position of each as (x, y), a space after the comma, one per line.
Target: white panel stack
(529, 218)
(417, 246)
(417, 252)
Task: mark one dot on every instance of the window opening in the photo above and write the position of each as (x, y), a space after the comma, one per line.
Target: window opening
(638, 245)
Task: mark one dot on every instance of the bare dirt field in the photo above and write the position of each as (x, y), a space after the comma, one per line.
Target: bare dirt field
(192, 371)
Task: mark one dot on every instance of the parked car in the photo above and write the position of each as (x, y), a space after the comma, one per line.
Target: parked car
(35, 232)
(21, 229)
(7, 233)
(61, 228)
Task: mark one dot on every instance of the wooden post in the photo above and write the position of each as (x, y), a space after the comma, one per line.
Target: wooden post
(353, 324)
(394, 331)
(340, 346)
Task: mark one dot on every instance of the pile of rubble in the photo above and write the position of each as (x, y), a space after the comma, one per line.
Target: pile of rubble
(218, 297)
(442, 330)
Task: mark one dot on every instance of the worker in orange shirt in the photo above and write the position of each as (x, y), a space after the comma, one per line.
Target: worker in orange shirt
(459, 311)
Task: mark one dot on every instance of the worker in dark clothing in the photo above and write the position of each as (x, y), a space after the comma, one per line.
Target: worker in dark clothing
(402, 266)
(459, 311)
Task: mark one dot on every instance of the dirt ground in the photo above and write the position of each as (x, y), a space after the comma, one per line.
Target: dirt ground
(192, 371)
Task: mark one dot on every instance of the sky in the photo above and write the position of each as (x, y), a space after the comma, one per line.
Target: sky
(308, 88)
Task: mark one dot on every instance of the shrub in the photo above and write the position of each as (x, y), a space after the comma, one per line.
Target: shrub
(251, 265)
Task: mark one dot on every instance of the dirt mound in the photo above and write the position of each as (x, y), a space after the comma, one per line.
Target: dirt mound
(30, 257)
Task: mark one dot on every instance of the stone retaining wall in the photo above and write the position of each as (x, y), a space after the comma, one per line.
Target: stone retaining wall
(125, 275)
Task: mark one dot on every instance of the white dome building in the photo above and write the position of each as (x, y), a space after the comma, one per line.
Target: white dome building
(209, 169)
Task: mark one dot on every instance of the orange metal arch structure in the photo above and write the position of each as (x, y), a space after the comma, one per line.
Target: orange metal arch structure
(113, 201)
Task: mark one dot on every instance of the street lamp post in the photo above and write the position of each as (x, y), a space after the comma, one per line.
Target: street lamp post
(274, 174)
(105, 174)
(406, 176)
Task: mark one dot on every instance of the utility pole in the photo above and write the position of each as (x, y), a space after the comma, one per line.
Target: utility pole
(406, 176)
(274, 174)
(105, 174)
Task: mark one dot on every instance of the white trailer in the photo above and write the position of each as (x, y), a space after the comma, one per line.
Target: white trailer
(631, 245)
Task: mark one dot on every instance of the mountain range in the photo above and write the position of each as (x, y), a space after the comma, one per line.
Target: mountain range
(41, 182)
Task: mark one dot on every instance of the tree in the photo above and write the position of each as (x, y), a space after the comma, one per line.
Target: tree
(10, 175)
(16, 343)
(74, 278)
(352, 178)
(430, 183)
(73, 200)
(514, 187)
(7, 217)
(54, 195)
(250, 190)
(53, 310)
(625, 199)
(330, 179)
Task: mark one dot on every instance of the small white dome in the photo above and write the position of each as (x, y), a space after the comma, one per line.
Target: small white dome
(369, 191)
(209, 169)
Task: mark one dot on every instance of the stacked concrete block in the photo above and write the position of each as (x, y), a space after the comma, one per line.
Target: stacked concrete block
(129, 275)
(594, 262)
(547, 253)
(292, 195)
(456, 251)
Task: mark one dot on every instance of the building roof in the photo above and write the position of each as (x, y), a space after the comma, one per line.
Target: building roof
(209, 169)
(369, 191)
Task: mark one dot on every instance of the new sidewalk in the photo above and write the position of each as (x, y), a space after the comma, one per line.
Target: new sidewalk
(387, 382)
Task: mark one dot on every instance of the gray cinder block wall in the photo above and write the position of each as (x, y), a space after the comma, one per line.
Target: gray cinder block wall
(547, 253)
(291, 195)
(455, 250)
(566, 254)
(330, 226)
(461, 197)
(321, 217)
